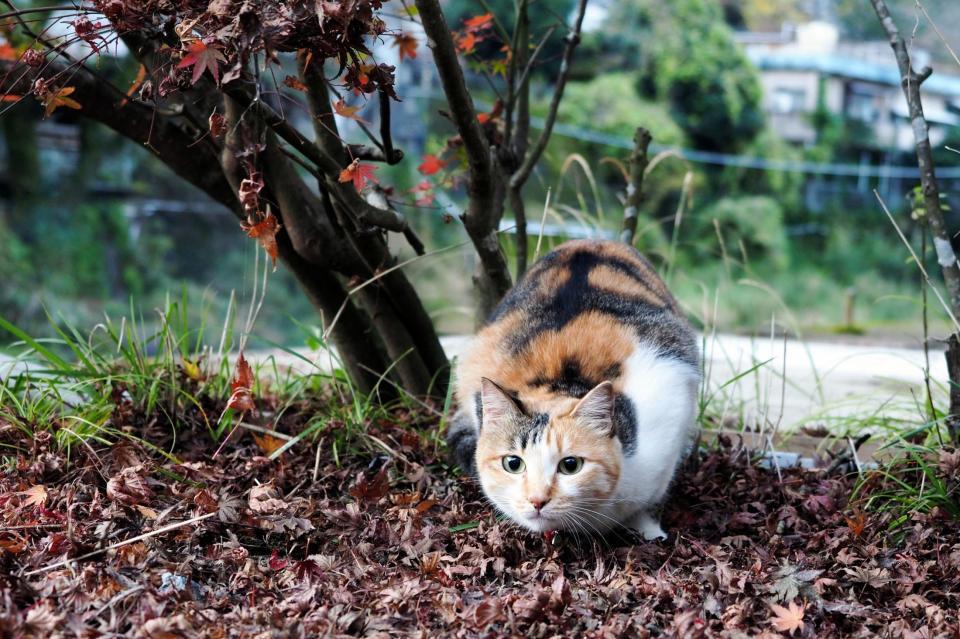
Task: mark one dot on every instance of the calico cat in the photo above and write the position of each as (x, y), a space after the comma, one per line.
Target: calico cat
(578, 396)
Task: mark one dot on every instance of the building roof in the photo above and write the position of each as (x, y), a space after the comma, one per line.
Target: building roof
(832, 64)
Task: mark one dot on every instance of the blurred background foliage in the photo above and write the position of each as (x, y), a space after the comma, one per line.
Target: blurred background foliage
(89, 222)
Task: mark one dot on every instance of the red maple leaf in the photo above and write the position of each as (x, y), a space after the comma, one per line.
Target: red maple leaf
(265, 232)
(358, 174)
(276, 563)
(425, 191)
(467, 42)
(407, 44)
(480, 22)
(241, 397)
(7, 52)
(431, 164)
(202, 56)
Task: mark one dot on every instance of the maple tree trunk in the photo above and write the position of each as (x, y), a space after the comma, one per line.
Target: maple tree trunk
(382, 331)
(222, 129)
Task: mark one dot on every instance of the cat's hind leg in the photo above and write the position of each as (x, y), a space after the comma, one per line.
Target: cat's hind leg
(647, 524)
(462, 442)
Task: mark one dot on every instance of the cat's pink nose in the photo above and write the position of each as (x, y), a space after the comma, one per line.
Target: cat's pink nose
(539, 503)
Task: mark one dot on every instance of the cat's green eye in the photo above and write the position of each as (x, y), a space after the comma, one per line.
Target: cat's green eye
(570, 465)
(513, 464)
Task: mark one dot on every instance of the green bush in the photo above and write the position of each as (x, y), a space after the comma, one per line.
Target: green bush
(756, 222)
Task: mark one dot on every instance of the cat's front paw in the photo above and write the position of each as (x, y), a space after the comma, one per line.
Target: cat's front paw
(648, 526)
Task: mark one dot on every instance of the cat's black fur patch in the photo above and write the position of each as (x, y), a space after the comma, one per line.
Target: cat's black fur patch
(653, 324)
(531, 430)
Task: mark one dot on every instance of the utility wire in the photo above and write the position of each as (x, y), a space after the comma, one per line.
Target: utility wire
(727, 159)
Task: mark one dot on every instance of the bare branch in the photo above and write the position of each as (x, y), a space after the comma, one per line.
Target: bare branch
(485, 186)
(462, 111)
(533, 156)
(911, 81)
(390, 154)
(638, 168)
(518, 92)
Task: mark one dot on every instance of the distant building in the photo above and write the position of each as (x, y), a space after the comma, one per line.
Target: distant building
(859, 81)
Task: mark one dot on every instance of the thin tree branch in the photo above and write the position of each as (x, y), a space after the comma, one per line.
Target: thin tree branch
(161, 135)
(462, 111)
(390, 154)
(533, 156)
(382, 218)
(638, 168)
(911, 81)
(485, 185)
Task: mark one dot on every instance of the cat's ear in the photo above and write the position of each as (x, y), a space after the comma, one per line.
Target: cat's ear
(596, 408)
(496, 404)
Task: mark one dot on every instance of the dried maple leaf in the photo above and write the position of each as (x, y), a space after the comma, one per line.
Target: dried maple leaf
(295, 83)
(342, 109)
(358, 173)
(249, 192)
(34, 496)
(264, 499)
(53, 100)
(14, 546)
(791, 582)
(89, 32)
(241, 397)
(857, 522)
(129, 486)
(268, 443)
(787, 619)
(218, 124)
(265, 231)
(431, 164)
(407, 45)
(202, 56)
(373, 489)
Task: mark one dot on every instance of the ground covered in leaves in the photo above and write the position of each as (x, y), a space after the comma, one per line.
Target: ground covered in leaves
(393, 544)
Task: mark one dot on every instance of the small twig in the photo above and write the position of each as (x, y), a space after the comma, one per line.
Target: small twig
(126, 542)
(265, 431)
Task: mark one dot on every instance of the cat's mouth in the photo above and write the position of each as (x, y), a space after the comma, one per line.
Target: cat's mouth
(541, 522)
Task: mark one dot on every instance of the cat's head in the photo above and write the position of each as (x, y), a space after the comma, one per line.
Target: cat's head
(548, 472)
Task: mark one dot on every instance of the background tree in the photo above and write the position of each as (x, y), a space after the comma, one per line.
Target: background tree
(713, 91)
(207, 104)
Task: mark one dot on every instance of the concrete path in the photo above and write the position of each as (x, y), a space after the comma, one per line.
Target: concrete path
(790, 383)
(810, 383)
